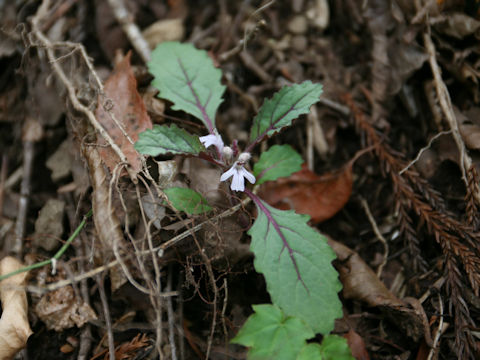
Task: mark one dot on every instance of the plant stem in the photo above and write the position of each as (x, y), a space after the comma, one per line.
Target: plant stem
(56, 256)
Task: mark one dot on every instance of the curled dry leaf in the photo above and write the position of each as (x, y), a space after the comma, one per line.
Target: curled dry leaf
(107, 223)
(357, 345)
(14, 326)
(61, 309)
(125, 103)
(321, 197)
(361, 283)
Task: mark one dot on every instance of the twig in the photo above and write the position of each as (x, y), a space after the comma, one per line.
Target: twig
(438, 332)
(446, 105)
(131, 29)
(342, 109)
(108, 319)
(422, 12)
(315, 137)
(379, 235)
(252, 64)
(241, 45)
(3, 177)
(224, 310)
(422, 150)
(32, 133)
(171, 317)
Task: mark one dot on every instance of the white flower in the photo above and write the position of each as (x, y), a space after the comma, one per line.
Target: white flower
(212, 139)
(239, 173)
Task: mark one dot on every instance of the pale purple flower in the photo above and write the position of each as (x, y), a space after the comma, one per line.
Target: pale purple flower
(239, 173)
(212, 139)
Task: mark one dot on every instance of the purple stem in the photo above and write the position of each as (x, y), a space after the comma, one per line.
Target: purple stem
(276, 226)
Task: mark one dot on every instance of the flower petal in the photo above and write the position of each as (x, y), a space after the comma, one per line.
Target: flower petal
(230, 172)
(249, 176)
(212, 139)
(238, 184)
(208, 140)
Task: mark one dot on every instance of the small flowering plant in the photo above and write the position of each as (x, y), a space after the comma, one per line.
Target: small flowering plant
(294, 258)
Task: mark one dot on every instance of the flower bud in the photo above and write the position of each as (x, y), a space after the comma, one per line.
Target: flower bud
(227, 153)
(244, 157)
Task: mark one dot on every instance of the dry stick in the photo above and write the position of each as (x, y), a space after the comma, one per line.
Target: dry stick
(131, 29)
(379, 235)
(422, 150)
(446, 105)
(438, 332)
(3, 177)
(224, 310)
(116, 249)
(32, 134)
(157, 284)
(422, 12)
(242, 43)
(108, 319)
(256, 68)
(86, 333)
(213, 284)
(171, 317)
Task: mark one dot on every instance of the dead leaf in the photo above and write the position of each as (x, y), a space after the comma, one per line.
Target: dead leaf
(361, 283)
(49, 225)
(127, 106)
(61, 309)
(60, 162)
(14, 326)
(164, 30)
(321, 197)
(357, 345)
(458, 25)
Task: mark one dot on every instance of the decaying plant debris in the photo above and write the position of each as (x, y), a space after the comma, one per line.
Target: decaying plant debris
(145, 281)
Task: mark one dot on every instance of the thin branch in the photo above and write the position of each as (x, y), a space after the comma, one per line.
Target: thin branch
(131, 29)
(108, 319)
(379, 235)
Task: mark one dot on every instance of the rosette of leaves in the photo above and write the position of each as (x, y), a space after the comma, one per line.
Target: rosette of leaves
(295, 259)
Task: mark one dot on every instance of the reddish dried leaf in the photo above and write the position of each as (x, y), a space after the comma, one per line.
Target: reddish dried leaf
(357, 345)
(129, 110)
(321, 197)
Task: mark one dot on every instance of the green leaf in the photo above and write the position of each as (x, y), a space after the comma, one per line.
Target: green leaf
(335, 347)
(187, 200)
(167, 140)
(186, 76)
(272, 335)
(311, 352)
(278, 161)
(297, 264)
(285, 106)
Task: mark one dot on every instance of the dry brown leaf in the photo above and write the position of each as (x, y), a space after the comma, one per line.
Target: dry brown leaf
(61, 309)
(14, 326)
(105, 217)
(164, 30)
(361, 283)
(321, 197)
(356, 345)
(128, 108)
